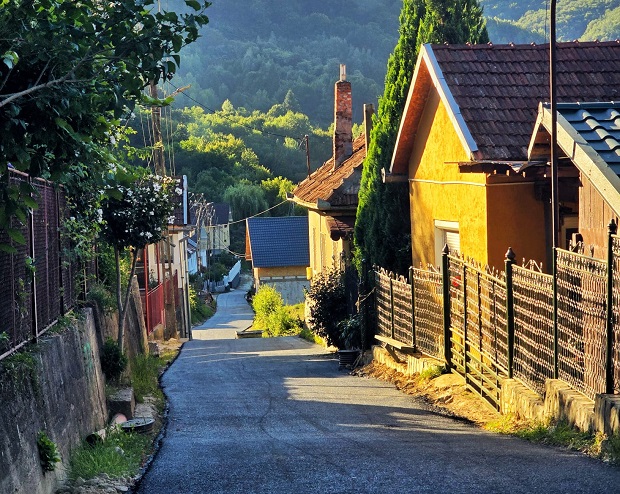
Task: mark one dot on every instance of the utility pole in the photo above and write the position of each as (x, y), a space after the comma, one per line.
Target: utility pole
(158, 142)
(555, 203)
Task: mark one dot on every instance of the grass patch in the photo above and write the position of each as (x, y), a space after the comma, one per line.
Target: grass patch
(431, 372)
(202, 311)
(560, 434)
(308, 335)
(121, 454)
(145, 370)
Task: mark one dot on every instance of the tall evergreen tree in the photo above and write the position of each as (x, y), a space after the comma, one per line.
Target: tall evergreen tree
(382, 228)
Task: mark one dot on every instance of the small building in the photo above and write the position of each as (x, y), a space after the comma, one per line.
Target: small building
(278, 250)
(589, 162)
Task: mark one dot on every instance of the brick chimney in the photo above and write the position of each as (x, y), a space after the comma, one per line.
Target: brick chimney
(343, 119)
(369, 110)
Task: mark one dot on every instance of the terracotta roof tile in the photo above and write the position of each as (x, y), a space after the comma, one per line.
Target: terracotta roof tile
(498, 88)
(338, 187)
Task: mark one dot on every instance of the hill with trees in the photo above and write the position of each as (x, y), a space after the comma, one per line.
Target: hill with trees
(253, 52)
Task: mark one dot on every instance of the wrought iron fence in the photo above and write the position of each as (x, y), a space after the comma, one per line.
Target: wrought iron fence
(426, 287)
(522, 323)
(581, 321)
(533, 327)
(615, 314)
(37, 282)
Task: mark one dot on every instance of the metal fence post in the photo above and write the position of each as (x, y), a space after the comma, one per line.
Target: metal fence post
(556, 367)
(609, 370)
(510, 314)
(392, 305)
(363, 298)
(411, 281)
(445, 271)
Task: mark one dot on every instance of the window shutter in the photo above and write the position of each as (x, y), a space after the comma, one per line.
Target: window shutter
(453, 240)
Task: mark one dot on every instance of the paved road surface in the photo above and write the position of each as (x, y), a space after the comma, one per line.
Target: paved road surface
(233, 314)
(278, 416)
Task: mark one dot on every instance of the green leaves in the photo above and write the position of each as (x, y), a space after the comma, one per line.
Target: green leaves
(10, 59)
(82, 66)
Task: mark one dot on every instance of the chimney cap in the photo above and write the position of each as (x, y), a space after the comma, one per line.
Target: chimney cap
(343, 72)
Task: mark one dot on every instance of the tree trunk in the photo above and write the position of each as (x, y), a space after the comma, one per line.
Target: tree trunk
(122, 304)
(119, 302)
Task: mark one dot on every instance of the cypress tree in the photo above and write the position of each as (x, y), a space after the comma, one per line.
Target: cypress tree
(382, 227)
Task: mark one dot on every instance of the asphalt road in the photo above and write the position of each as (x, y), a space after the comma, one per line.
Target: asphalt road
(278, 416)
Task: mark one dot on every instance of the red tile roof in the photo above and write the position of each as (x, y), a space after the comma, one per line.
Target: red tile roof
(497, 88)
(337, 187)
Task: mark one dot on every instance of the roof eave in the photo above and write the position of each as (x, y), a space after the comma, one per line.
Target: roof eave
(586, 159)
(428, 66)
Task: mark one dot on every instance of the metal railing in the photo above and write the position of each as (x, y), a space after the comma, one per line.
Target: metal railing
(37, 279)
(521, 323)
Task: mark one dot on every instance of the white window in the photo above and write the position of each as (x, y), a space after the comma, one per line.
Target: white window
(446, 232)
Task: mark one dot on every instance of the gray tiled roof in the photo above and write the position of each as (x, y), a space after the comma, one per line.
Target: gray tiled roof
(599, 125)
(279, 242)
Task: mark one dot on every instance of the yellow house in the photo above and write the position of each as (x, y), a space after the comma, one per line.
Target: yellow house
(278, 250)
(463, 146)
(330, 193)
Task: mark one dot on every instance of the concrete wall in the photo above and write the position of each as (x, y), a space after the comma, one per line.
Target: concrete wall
(65, 397)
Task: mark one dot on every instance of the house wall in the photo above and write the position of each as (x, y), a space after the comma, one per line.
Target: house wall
(515, 219)
(594, 216)
(324, 252)
(438, 191)
(493, 212)
(289, 281)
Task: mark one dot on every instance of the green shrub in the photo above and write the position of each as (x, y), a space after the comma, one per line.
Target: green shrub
(113, 362)
(266, 301)
(284, 322)
(328, 307)
(48, 452)
(102, 296)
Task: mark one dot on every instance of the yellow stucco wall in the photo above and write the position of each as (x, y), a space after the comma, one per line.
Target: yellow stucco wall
(515, 219)
(438, 191)
(493, 212)
(283, 271)
(324, 252)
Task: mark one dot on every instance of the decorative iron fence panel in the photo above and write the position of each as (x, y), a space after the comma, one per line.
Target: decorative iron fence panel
(615, 246)
(428, 311)
(581, 321)
(493, 333)
(403, 328)
(383, 304)
(533, 321)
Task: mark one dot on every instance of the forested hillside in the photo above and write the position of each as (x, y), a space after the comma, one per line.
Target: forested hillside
(254, 51)
(528, 20)
(264, 69)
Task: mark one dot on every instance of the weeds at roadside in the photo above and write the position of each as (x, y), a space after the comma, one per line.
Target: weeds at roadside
(431, 372)
(560, 434)
(308, 335)
(120, 454)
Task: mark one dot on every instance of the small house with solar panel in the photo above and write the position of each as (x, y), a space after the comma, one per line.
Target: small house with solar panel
(278, 248)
